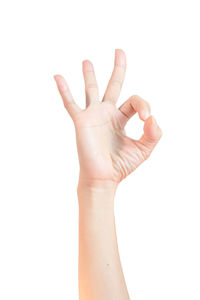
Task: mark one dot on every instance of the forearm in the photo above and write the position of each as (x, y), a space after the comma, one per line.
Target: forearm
(100, 272)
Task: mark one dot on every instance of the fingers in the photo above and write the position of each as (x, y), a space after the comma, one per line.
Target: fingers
(115, 83)
(135, 104)
(91, 87)
(66, 95)
(152, 132)
(151, 136)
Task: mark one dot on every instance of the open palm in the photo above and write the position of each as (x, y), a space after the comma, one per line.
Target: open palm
(106, 153)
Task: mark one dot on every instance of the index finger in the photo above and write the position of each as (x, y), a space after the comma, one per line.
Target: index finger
(117, 78)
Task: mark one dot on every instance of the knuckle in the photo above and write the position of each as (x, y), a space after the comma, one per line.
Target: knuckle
(91, 86)
(135, 97)
(120, 67)
(116, 82)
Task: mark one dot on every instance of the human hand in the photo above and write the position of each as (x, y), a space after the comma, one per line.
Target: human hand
(106, 154)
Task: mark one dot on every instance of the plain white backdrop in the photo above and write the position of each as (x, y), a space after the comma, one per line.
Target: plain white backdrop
(157, 207)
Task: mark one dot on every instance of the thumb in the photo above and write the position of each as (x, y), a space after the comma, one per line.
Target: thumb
(152, 134)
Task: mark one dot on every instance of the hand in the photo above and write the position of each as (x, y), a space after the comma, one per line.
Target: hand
(106, 154)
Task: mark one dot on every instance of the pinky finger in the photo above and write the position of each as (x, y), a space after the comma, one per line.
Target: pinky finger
(67, 97)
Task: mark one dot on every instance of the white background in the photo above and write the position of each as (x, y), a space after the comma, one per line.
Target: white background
(157, 207)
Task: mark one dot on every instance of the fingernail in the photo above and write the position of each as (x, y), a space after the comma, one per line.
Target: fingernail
(154, 121)
(88, 65)
(62, 84)
(146, 114)
(120, 59)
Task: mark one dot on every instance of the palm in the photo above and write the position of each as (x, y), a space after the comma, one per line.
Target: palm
(105, 152)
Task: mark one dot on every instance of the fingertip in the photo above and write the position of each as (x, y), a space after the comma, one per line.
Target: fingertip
(85, 61)
(87, 65)
(141, 106)
(153, 120)
(120, 51)
(120, 57)
(144, 115)
(55, 76)
(61, 83)
(152, 133)
(156, 130)
(58, 77)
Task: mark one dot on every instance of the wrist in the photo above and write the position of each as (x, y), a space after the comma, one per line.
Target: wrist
(98, 184)
(98, 193)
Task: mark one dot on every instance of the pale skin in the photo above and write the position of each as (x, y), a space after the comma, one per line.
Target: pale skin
(106, 157)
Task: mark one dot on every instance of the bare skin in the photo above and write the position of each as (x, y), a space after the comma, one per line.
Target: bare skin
(106, 156)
